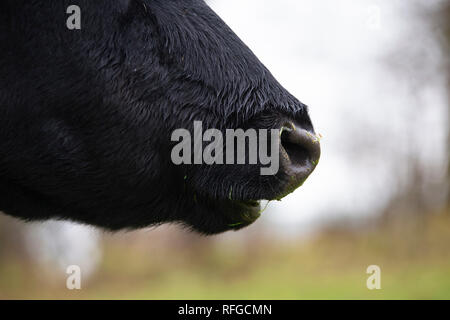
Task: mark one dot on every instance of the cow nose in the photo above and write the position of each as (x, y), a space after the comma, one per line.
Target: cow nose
(300, 151)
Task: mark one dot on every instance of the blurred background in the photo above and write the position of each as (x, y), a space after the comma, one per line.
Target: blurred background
(375, 74)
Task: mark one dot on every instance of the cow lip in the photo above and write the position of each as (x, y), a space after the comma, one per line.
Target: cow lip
(251, 207)
(239, 213)
(249, 212)
(249, 203)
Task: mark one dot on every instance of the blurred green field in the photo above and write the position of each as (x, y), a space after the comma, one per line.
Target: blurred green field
(414, 259)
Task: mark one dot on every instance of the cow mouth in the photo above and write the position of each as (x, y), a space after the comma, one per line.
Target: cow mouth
(250, 203)
(245, 212)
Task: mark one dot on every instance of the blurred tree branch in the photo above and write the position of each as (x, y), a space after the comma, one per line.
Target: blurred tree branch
(444, 28)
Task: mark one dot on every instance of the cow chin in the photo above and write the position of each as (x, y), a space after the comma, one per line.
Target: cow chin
(216, 216)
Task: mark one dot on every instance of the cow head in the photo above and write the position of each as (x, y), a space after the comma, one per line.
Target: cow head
(87, 115)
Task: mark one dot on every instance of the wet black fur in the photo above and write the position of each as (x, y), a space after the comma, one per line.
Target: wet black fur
(86, 115)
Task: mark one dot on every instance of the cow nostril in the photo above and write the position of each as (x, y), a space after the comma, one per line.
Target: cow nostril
(296, 153)
(301, 150)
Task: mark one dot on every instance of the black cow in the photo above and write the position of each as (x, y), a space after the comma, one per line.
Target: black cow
(86, 115)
